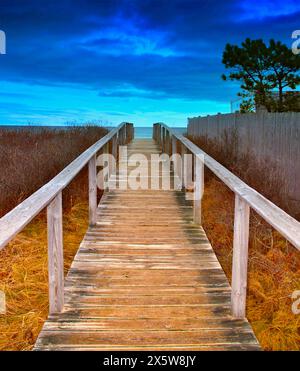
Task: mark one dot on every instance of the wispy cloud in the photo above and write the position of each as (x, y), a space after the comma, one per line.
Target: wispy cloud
(267, 9)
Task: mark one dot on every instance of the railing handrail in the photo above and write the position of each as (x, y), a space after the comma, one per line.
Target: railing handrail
(276, 217)
(17, 219)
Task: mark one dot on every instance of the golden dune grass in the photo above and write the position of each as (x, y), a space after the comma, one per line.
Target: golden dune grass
(24, 277)
(274, 270)
(29, 158)
(274, 265)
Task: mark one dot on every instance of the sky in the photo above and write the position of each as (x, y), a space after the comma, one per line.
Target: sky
(140, 61)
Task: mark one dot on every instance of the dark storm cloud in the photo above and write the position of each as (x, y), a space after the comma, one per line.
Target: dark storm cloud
(128, 48)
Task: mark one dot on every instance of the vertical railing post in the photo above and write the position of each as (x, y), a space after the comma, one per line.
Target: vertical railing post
(198, 188)
(240, 257)
(159, 134)
(110, 162)
(55, 255)
(174, 153)
(177, 180)
(115, 146)
(183, 163)
(127, 133)
(188, 171)
(92, 191)
(114, 153)
(107, 159)
(122, 136)
(167, 142)
(130, 132)
(155, 133)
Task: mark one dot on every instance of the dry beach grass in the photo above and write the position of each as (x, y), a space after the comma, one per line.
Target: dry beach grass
(274, 265)
(24, 277)
(29, 158)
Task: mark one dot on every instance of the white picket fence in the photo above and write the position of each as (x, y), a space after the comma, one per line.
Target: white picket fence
(270, 136)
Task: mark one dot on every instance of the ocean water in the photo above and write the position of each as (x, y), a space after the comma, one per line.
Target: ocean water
(146, 132)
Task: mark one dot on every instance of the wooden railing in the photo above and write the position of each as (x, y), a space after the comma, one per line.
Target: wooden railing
(245, 198)
(50, 196)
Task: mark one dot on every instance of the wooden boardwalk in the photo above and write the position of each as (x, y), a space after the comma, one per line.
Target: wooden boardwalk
(145, 275)
(146, 278)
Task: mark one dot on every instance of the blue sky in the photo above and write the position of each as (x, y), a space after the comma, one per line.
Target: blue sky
(126, 60)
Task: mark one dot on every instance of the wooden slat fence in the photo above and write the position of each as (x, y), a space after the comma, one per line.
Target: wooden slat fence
(271, 137)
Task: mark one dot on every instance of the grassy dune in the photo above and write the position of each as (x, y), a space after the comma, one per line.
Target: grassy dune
(274, 265)
(28, 160)
(24, 277)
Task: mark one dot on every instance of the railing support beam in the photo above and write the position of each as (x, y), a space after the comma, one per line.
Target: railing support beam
(114, 153)
(159, 134)
(55, 255)
(240, 258)
(198, 188)
(92, 191)
(183, 166)
(176, 163)
(163, 142)
(168, 142)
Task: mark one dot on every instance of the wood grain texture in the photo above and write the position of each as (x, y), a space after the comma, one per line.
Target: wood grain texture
(146, 278)
(92, 191)
(240, 257)
(199, 188)
(55, 255)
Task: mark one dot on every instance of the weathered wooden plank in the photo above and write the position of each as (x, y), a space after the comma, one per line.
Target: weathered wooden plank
(55, 255)
(240, 257)
(136, 338)
(199, 188)
(190, 347)
(151, 324)
(92, 191)
(87, 298)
